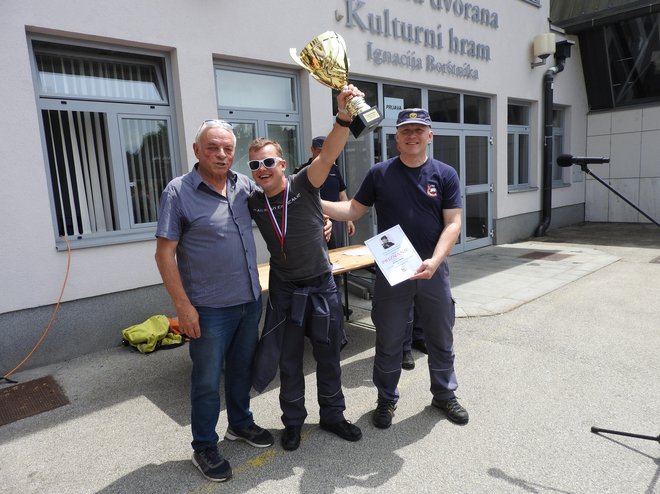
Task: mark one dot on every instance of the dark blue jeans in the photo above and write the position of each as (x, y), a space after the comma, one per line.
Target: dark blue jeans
(228, 339)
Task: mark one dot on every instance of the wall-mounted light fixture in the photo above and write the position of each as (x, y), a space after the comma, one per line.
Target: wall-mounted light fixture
(544, 46)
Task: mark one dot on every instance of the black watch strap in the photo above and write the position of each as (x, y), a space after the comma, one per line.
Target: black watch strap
(341, 122)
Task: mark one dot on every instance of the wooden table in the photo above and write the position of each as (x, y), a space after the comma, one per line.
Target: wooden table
(344, 260)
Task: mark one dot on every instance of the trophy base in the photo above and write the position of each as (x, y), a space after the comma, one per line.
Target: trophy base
(366, 121)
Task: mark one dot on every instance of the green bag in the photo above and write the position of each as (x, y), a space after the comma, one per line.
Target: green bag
(152, 334)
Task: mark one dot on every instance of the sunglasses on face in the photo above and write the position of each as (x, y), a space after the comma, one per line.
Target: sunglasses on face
(267, 162)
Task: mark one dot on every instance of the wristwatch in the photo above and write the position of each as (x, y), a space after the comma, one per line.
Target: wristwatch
(343, 123)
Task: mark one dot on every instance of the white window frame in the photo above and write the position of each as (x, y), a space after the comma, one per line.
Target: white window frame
(517, 131)
(559, 174)
(261, 120)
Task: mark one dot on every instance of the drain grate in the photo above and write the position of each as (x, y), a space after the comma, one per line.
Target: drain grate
(545, 255)
(30, 398)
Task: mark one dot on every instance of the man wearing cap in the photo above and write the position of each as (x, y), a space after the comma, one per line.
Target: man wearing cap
(423, 196)
(333, 189)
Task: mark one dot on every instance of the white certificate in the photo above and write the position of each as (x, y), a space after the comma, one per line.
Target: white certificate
(395, 255)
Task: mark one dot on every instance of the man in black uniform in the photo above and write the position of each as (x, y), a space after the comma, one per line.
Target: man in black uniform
(333, 189)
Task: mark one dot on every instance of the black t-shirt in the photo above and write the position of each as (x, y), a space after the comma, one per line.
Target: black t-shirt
(304, 243)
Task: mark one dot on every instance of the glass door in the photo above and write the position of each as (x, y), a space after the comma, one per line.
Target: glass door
(357, 158)
(447, 148)
(477, 216)
(469, 154)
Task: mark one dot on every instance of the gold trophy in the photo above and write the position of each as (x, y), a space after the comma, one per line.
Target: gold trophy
(325, 59)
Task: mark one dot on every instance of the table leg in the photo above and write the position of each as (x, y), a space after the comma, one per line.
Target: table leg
(345, 276)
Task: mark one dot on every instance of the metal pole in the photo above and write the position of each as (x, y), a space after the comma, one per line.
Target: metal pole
(597, 430)
(586, 170)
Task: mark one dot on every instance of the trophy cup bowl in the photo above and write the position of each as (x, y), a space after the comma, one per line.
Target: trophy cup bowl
(326, 61)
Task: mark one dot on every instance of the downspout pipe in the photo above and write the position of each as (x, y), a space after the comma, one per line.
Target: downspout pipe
(548, 103)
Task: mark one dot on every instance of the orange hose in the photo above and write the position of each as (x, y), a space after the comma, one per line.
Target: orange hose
(57, 308)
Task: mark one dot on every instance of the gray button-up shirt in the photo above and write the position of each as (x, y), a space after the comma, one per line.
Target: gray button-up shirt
(216, 254)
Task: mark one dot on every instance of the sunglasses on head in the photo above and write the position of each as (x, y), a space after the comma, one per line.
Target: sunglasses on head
(267, 162)
(214, 122)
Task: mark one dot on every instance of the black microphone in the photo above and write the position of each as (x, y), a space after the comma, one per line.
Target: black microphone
(569, 159)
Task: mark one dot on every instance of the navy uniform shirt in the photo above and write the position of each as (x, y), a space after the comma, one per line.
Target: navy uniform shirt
(332, 186)
(413, 198)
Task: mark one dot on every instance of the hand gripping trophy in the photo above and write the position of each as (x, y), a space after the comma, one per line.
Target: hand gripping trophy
(326, 60)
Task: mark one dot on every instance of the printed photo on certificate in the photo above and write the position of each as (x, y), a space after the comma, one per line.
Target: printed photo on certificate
(394, 254)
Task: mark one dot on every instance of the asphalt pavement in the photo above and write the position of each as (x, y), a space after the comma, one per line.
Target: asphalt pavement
(554, 335)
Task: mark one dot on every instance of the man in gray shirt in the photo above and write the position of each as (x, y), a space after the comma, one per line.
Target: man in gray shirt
(303, 299)
(206, 255)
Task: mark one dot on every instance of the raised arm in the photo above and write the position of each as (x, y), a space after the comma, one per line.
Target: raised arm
(334, 142)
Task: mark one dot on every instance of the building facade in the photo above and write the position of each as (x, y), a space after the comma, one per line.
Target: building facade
(104, 102)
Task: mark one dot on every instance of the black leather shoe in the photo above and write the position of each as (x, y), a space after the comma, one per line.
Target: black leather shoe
(347, 311)
(420, 345)
(291, 437)
(454, 411)
(343, 429)
(407, 362)
(382, 415)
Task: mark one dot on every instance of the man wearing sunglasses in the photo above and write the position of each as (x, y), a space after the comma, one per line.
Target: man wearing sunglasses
(303, 298)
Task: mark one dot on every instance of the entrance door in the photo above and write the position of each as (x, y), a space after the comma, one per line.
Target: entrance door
(357, 158)
(468, 152)
(477, 214)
